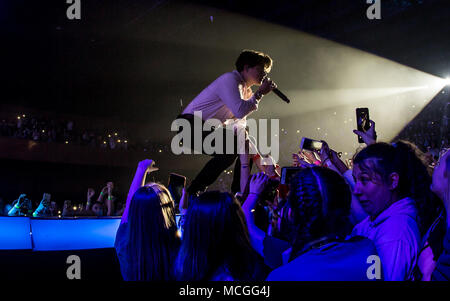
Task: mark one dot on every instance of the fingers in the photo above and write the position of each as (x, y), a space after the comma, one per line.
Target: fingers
(267, 85)
(359, 133)
(273, 85)
(260, 177)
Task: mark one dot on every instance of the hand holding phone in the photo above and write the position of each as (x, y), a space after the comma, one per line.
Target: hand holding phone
(310, 144)
(299, 160)
(365, 127)
(362, 122)
(258, 183)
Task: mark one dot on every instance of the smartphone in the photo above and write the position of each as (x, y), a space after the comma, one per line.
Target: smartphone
(363, 121)
(310, 144)
(287, 173)
(176, 184)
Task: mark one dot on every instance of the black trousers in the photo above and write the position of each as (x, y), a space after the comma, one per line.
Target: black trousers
(218, 163)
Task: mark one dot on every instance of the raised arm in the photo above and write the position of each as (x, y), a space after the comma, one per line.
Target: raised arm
(102, 194)
(90, 194)
(257, 185)
(109, 200)
(143, 168)
(331, 159)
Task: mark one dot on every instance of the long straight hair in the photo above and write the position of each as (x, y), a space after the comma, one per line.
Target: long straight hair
(152, 234)
(216, 238)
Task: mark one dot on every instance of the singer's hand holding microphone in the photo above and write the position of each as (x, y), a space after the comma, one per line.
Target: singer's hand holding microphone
(268, 85)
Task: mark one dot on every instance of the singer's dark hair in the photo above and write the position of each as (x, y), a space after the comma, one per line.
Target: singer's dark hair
(253, 58)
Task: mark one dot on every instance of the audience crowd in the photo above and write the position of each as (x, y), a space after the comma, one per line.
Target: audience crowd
(384, 215)
(107, 203)
(429, 130)
(65, 131)
(381, 216)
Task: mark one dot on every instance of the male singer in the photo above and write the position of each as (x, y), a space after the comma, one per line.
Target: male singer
(230, 97)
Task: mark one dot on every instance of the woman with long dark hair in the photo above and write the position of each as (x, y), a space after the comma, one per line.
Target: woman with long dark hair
(146, 241)
(216, 244)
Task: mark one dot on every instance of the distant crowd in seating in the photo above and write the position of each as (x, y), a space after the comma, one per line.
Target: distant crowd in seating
(42, 129)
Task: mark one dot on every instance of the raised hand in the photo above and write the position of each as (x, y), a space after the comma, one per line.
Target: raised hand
(308, 156)
(104, 190)
(148, 165)
(370, 136)
(325, 153)
(109, 187)
(90, 193)
(300, 162)
(258, 182)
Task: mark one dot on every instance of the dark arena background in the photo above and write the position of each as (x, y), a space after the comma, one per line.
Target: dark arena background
(85, 98)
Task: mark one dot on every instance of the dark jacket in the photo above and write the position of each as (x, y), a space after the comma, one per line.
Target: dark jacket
(442, 271)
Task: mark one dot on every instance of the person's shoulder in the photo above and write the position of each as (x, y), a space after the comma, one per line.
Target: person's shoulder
(229, 76)
(280, 274)
(400, 222)
(399, 227)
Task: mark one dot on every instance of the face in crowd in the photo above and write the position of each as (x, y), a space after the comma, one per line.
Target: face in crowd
(97, 209)
(374, 193)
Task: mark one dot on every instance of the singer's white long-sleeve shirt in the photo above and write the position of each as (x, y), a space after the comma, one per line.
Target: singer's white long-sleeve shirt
(225, 98)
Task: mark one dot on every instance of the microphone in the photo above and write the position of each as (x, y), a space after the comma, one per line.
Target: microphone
(281, 95)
